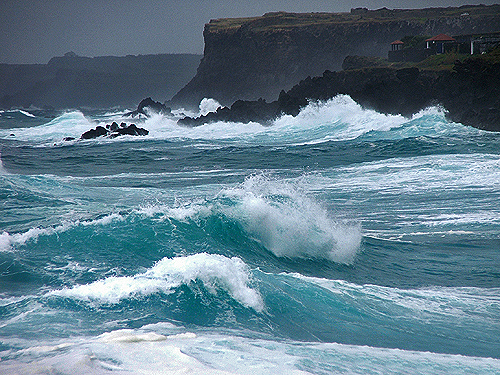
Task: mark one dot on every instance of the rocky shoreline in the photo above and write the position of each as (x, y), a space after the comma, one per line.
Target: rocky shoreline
(469, 93)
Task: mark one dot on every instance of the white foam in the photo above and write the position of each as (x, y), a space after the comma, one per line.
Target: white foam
(2, 169)
(143, 351)
(70, 124)
(339, 118)
(289, 223)
(27, 114)
(469, 303)
(208, 105)
(277, 213)
(215, 271)
(417, 173)
(161, 127)
(479, 217)
(8, 241)
(130, 335)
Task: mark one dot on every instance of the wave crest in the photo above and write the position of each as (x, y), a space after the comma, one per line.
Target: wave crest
(277, 214)
(289, 223)
(215, 271)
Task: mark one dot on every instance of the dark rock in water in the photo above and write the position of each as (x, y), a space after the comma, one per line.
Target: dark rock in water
(112, 131)
(132, 129)
(152, 105)
(94, 133)
(113, 127)
(67, 139)
(241, 111)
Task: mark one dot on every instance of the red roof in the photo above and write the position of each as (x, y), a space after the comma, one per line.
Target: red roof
(441, 38)
(397, 42)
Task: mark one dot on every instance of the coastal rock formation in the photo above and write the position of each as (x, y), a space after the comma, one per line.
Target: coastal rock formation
(251, 58)
(149, 104)
(241, 111)
(114, 130)
(470, 93)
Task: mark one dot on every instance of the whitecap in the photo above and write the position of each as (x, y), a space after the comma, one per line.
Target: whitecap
(69, 124)
(8, 241)
(215, 271)
(289, 223)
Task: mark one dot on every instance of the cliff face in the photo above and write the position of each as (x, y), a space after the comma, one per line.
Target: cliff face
(249, 58)
(99, 82)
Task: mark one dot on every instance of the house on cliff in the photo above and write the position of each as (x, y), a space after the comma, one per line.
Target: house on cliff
(409, 48)
(437, 44)
(417, 48)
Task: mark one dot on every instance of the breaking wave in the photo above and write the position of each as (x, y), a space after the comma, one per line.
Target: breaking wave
(215, 271)
(280, 216)
(337, 119)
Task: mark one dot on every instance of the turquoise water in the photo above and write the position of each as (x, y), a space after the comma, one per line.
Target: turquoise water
(342, 241)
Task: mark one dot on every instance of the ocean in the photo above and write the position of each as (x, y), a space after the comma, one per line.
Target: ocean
(340, 241)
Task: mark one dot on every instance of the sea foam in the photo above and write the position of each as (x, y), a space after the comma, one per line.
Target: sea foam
(337, 119)
(8, 241)
(142, 351)
(289, 223)
(277, 213)
(470, 304)
(69, 124)
(215, 271)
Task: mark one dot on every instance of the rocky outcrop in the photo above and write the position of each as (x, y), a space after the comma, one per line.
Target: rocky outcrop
(147, 105)
(470, 93)
(112, 131)
(100, 82)
(251, 58)
(241, 111)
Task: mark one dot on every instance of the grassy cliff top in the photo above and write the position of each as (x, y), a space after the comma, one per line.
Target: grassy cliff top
(445, 61)
(283, 20)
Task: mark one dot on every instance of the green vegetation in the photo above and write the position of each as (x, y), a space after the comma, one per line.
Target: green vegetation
(492, 56)
(444, 61)
(283, 20)
(415, 41)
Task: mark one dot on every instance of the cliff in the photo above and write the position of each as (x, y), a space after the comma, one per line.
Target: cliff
(469, 92)
(100, 82)
(250, 58)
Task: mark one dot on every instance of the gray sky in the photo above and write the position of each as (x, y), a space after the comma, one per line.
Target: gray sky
(33, 31)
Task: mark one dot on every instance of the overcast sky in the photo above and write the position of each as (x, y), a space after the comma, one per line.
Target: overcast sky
(33, 31)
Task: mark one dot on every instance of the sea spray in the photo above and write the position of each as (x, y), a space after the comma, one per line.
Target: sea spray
(337, 119)
(289, 223)
(208, 105)
(69, 124)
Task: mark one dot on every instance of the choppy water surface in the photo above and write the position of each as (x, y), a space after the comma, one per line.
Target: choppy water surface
(339, 241)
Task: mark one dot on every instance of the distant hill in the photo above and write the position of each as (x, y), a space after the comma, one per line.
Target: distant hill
(100, 82)
(249, 58)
